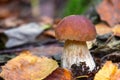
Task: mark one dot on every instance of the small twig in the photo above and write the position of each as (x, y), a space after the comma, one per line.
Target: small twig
(109, 39)
(83, 76)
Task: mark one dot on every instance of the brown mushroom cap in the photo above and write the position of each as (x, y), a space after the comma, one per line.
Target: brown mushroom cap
(75, 27)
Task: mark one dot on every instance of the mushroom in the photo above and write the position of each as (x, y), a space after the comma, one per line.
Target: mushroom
(76, 30)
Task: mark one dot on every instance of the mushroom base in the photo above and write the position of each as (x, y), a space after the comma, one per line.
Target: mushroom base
(76, 52)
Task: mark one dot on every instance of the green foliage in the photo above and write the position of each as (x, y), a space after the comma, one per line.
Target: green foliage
(76, 7)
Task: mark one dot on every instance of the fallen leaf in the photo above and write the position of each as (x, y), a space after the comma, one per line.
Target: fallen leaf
(50, 33)
(116, 76)
(102, 29)
(11, 22)
(60, 74)
(28, 67)
(4, 12)
(108, 70)
(90, 43)
(54, 51)
(116, 30)
(109, 11)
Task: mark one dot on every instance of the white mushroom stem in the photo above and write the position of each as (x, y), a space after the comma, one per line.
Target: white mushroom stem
(76, 52)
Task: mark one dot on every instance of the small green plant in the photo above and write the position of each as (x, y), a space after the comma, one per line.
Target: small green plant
(76, 7)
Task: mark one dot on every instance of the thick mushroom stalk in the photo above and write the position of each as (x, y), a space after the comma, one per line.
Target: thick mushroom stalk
(76, 52)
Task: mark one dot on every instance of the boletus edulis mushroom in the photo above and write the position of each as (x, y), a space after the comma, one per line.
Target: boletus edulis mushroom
(76, 30)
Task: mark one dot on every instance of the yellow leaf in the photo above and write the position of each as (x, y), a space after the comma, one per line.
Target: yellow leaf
(28, 67)
(106, 72)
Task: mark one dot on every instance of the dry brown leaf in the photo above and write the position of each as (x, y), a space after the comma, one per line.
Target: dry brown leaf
(109, 11)
(48, 50)
(102, 29)
(4, 12)
(106, 72)
(12, 22)
(116, 30)
(60, 74)
(28, 67)
(50, 33)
